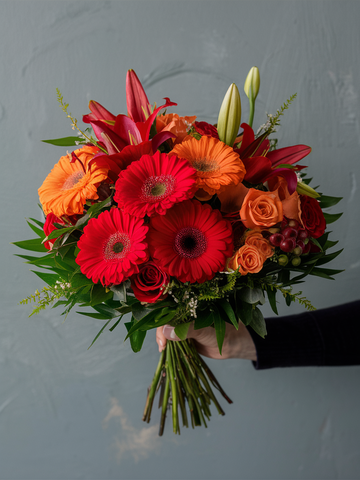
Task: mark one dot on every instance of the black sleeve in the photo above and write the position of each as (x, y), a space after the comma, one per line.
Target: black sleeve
(329, 336)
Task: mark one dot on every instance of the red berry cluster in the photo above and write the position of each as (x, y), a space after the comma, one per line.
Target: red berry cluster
(291, 238)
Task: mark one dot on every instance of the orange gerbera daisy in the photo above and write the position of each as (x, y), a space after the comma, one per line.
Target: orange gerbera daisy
(71, 182)
(217, 164)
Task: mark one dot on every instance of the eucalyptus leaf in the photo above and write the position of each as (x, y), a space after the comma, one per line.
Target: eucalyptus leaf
(252, 295)
(258, 323)
(245, 312)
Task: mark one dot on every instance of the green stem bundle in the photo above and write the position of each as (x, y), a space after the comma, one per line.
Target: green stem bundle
(183, 377)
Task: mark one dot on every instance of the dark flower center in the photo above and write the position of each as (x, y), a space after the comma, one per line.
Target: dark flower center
(205, 165)
(156, 188)
(190, 242)
(117, 246)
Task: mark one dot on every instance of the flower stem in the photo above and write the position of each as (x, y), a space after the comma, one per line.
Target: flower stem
(183, 376)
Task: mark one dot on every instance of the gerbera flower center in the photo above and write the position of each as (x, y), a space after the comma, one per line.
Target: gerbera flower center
(190, 242)
(156, 188)
(205, 165)
(117, 246)
(71, 181)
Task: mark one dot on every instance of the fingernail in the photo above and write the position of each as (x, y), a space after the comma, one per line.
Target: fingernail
(169, 332)
(161, 346)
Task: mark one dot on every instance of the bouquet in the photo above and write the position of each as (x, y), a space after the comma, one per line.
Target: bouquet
(168, 220)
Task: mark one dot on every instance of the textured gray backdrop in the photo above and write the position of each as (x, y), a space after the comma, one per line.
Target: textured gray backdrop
(69, 413)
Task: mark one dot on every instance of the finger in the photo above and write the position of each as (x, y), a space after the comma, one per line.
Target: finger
(169, 333)
(160, 339)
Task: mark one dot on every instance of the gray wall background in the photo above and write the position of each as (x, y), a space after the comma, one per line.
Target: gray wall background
(69, 413)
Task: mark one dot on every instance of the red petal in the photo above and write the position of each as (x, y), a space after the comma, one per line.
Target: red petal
(289, 155)
(136, 99)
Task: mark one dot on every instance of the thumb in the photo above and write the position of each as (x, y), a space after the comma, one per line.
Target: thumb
(169, 333)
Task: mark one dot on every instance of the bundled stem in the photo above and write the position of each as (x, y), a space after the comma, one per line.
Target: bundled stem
(183, 377)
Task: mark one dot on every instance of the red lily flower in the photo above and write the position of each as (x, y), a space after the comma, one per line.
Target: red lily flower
(139, 108)
(260, 168)
(117, 134)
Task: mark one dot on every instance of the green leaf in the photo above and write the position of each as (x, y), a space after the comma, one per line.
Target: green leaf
(38, 222)
(317, 243)
(220, 328)
(64, 265)
(100, 332)
(245, 312)
(156, 318)
(271, 293)
(105, 310)
(229, 312)
(99, 295)
(98, 316)
(94, 209)
(119, 292)
(64, 142)
(258, 323)
(58, 232)
(49, 278)
(331, 217)
(252, 295)
(79, 280)
(140, 311)
(205, 318)
(137, 338)
(34, 245)
(182, 330)
(329, 244)
(328, 258)
(37, 230)
(326, 202)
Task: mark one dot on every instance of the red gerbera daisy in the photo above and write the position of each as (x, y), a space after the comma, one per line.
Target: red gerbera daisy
(112, 246)
(191, 242)
(154, 183)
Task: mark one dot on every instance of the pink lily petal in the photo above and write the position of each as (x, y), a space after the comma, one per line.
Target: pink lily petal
(98, 112)
(145, 127)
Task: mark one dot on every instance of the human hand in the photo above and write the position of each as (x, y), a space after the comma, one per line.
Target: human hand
(237, 343)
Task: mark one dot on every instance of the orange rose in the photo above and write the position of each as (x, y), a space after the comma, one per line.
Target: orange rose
(256, 239)
(261, 209)
(248, 259)
(291, 203)
(173, 123)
